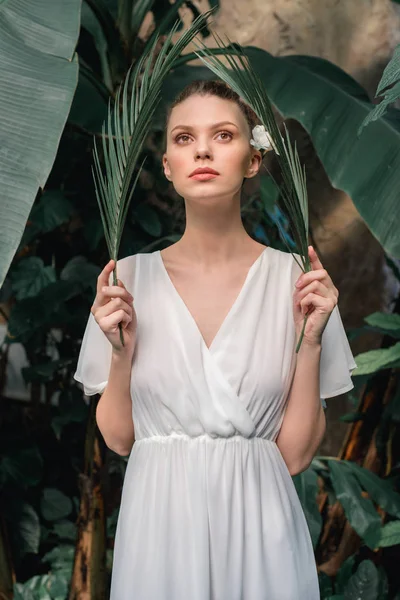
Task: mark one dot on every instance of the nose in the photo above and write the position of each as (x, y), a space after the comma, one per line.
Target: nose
(202, 150)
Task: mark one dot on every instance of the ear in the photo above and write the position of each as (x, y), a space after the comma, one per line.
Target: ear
(167, 170)
(254, 164)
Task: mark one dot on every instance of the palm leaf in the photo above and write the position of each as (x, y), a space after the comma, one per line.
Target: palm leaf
(241, 77)
(125, 131)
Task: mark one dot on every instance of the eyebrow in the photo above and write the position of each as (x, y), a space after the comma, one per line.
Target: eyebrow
(213, 126)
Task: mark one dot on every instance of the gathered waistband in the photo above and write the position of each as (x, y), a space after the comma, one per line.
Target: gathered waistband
(204, 437)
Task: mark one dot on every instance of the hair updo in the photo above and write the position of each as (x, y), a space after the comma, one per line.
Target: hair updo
(212, 87)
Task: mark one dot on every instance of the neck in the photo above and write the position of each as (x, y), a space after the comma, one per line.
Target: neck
(214, 232)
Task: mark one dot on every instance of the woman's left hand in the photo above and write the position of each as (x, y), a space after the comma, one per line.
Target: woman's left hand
(315, 296)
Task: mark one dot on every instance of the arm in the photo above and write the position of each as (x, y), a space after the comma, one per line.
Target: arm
(114, 409)
(114, 305)
(304, 423)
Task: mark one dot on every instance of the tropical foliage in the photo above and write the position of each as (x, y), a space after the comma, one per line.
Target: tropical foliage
(388, 90)
(54, 471)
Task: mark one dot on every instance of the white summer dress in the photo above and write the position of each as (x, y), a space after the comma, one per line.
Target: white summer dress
(209, 510)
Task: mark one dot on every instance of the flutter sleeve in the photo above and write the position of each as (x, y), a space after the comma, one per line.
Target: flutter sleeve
(337, 361)
(94, 359)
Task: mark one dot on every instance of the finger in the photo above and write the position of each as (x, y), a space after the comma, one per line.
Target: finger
(314, 260)
(312, 301)
(320, 274)
(104, 276)
(314, 286)
(114, 291)
(113, 306)
(109, 324)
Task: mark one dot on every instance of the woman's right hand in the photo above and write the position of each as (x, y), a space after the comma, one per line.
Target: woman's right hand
(113, 305)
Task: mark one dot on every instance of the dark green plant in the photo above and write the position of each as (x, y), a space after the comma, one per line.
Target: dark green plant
(42, 437)
(388, 90)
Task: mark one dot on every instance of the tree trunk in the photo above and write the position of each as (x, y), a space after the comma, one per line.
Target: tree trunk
(89, 578)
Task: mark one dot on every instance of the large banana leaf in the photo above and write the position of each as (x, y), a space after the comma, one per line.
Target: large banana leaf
(388, 89)
(38, 77)
(331, 106)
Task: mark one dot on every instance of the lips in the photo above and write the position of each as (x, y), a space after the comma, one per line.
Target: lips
(203, 171)
(203, 176)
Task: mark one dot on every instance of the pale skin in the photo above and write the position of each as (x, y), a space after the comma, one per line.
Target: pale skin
(208, 266)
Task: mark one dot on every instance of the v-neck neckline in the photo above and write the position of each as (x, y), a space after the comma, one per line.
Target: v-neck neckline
(230, 311)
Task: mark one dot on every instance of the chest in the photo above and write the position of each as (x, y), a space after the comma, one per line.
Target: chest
(208, 298)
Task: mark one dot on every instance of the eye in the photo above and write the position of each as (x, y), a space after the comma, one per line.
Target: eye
(226, 133)
(181, 136)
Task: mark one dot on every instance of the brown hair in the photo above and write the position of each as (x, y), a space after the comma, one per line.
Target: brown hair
(212, 87)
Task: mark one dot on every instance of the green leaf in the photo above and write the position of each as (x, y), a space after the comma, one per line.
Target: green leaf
(60, 556)
(93, 232)
(54, 504)
(137, 13)
(325, 585)
(45, 371)
(61, 559)
(375, 360)
(27, 530)
(52, 210)
(30, 276)
(69, 412)
(390, 77)
(269, 192)
(106, 22)
(393, 266)
(31, 314)
(344, 574)
(388, 323)
(148, 219)
(364, 584)
(390, 534)
(89, 106)
(380, 490)
(34, 588)
(306, 487)
(38, 77)
(91, 23)
(58, 585)
(359, 511)
(352, 417)
(65, 529)
(24, 466)
(80, 270)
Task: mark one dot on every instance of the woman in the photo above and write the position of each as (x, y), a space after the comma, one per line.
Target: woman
(222, 410)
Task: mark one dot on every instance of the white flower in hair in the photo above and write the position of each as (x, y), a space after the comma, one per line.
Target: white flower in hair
(262, 140)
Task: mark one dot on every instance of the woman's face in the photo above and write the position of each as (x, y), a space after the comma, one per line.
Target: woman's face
(207, 131)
